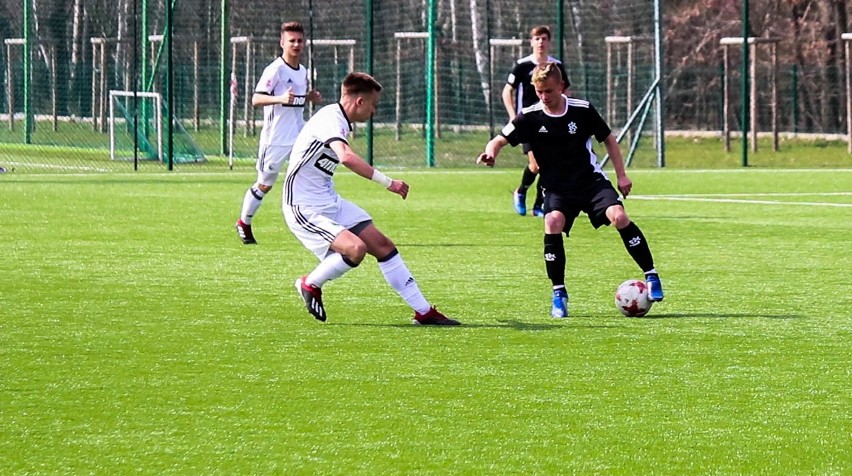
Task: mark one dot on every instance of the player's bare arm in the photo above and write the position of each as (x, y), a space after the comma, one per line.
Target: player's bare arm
(492, 149)
(509, 100)
(355, 163)
(261, 99)
(614, 151)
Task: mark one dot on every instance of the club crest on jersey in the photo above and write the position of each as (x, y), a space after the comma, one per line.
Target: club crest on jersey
(572, 127)
(326, 163)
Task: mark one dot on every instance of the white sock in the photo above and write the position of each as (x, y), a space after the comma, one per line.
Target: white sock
(251, 202)
(332, 267)
(400, 278)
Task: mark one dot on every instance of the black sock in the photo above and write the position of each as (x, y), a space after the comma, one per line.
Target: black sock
(526, 180)
(554, 258)
(636, 245)
(539, 196)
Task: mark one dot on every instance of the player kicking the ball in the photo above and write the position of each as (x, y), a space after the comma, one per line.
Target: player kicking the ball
(559, 130)
(339, 232)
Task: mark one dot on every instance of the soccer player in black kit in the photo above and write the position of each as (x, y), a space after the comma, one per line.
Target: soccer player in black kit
(559, 131)
(519, 93)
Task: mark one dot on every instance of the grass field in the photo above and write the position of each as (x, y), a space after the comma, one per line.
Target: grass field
(138, 336)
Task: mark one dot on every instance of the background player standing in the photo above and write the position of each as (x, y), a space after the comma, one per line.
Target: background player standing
(559, 131)
(518, 94)
(282, 91)
(339, 232)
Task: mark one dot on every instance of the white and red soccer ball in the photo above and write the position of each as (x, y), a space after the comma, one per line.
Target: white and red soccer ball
(631, 298)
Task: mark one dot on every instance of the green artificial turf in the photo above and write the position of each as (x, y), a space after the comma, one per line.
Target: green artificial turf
(137, 335)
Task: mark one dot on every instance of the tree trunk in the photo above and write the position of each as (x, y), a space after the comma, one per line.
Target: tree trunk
(480, 49)
(835, 63)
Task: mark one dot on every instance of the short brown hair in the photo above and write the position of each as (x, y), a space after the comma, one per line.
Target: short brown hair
(546, 70)
(359, 83)
(540, 30)
(292, 26)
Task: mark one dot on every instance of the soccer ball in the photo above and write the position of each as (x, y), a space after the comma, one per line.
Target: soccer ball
(631, 298)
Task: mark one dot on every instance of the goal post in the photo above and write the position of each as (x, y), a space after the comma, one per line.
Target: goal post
(158, 116)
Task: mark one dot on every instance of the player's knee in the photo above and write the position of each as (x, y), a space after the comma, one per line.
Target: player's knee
(382, 246)
(356, 251)
(554, 222)
(618, 217)
(264, 188)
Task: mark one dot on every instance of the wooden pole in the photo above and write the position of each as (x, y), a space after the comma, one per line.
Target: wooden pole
(630, 69)
(10, 87)
(95, 56)
(609, 100)
(437, 94)
(846, 37)
(753, 102)
(398, 104)
(196, 93)
(246, 106)
(774, 47)
(726, 130)
(52, 50)
(103, 89)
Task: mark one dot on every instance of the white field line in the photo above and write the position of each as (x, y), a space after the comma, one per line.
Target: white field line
(757, 194)
(718, 199)
(55, 167)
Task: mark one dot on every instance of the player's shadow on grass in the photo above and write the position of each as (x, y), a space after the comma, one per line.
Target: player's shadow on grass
(720, 315)
(502, 324)
(451, 245)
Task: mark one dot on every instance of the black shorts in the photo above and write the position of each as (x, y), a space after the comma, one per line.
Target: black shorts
(593, 201)
(527, 149)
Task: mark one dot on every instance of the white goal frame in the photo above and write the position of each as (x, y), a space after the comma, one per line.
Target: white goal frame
(158, 103)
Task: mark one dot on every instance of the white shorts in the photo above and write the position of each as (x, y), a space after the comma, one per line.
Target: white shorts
(270, 160)
(317, 226)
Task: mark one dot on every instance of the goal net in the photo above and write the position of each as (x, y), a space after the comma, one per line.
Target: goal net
(137, 124)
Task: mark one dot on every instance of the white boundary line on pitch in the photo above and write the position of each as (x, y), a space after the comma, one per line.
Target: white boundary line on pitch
(55, 167)
(757, 194)
(696, 198)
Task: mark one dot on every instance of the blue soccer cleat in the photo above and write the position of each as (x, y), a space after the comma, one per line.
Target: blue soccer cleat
(655, 287)
(538, 212)
(520, 202)
(560, 304)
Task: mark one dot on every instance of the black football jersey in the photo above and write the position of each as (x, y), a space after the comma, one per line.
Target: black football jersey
(562, 144)
(521, 76)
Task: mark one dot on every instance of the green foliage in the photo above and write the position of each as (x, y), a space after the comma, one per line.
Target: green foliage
(139, 336)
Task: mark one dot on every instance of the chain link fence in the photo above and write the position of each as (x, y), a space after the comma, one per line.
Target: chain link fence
(153, 85)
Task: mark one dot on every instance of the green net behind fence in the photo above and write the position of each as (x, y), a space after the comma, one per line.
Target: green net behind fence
(80, 51)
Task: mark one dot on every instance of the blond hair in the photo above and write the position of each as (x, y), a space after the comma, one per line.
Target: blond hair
(546, 70)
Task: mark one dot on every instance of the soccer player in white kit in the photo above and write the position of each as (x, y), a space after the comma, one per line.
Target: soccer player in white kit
(339, 232)
(283, 92)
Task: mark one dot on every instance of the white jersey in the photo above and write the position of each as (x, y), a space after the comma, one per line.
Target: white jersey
(312, 161)
(282, 122)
